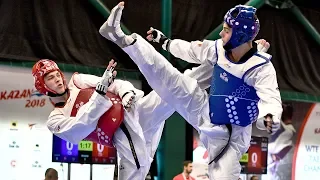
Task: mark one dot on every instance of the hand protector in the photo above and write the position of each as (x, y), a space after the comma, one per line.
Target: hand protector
(106, 79)
(157, 36)
(272, 127)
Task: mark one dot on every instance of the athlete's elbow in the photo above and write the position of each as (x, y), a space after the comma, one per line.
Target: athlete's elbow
(53, 127)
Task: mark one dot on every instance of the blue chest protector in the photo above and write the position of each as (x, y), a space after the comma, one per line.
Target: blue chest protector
(232, 101)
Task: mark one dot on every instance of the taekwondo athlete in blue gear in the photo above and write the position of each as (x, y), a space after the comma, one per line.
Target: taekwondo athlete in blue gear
(190, 100)
(245, 26)
(234, 101)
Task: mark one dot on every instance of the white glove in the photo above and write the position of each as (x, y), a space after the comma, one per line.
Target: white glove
(157, 36)
(107, 78)
(128, 99)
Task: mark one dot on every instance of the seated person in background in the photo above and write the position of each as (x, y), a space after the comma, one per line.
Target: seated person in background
(185, 175)
(51, 174)
(254, 177)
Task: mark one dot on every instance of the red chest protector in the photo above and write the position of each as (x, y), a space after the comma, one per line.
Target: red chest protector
(108, 123)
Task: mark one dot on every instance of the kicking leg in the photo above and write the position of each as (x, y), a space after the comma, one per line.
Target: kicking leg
(178, 90)
(153, 112)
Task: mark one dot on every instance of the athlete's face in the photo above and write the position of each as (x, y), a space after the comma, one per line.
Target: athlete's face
(226, 33)
(54, 81)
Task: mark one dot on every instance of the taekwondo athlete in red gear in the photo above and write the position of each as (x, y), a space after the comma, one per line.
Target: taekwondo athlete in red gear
(90, 107)
(148, 112)
(242, 92)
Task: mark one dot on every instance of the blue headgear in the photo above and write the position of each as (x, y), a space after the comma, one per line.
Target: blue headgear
(243, 23)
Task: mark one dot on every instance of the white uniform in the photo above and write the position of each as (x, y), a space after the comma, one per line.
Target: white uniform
(279, 145)
(144, 122)
(192, 102)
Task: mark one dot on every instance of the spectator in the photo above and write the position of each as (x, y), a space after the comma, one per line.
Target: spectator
(51, 174)
(185, 175)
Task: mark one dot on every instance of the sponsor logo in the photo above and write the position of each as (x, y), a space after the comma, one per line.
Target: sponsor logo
(224, 77)
(14, 144)
(37, 94)
(36, 164)
(13, 126)
(13, 163)
(317, 130)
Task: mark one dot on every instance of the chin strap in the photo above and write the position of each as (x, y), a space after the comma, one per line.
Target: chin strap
(57, 99)
(51, 94)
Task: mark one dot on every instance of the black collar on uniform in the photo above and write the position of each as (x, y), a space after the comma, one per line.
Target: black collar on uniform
(57, 96)
(60, 104)
(249, 54)
(51, 94)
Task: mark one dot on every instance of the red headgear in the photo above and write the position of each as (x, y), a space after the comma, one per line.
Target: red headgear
(39, 70)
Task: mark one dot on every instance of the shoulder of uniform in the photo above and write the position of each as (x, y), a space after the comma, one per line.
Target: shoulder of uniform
(265, 56)
(259, 59)
(219, 42)
(207, 43)
(54, 112)
(74, 80)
